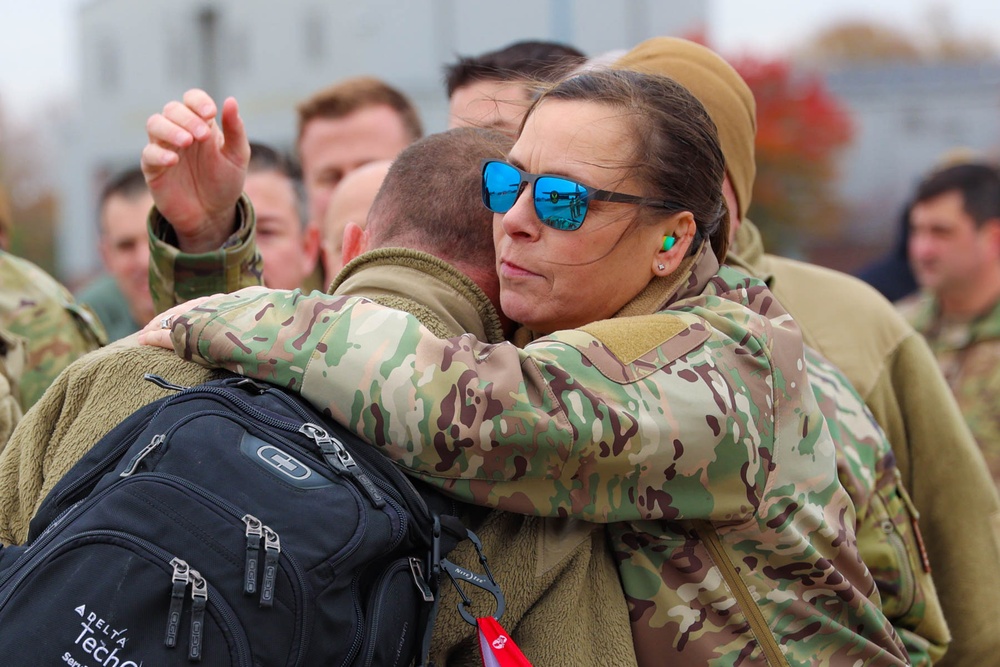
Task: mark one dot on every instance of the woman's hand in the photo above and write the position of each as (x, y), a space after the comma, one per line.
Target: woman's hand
(157, 332)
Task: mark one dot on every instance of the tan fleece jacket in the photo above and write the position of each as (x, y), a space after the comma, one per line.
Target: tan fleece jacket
(564, 602)
(892, 368)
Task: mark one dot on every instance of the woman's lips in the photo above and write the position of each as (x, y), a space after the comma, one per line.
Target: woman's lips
(509, 269)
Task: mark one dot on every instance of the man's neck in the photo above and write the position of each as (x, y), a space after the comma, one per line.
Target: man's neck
(968, 304)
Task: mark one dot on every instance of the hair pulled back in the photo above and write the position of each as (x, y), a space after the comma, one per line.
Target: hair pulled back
(675, 155)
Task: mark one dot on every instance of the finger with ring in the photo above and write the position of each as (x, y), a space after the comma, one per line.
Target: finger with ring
(167, 322)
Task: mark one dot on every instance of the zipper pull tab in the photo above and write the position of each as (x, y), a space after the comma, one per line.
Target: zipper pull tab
(417, 570)
(341, 461)
(254, 533)
(272, 552)
(199, 600)
(143, 453)
(179, 582)
(163, 384)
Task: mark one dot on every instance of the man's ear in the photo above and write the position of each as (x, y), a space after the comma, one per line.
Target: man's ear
(990, 231)
(355, 242)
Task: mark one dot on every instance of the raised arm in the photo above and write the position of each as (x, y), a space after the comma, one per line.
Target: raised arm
(201, 231)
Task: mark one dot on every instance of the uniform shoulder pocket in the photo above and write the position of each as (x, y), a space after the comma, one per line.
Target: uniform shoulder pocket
(630, 348)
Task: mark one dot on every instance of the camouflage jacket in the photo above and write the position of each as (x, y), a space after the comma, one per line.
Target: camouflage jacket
(969, 356)
(888, 537)
(175, 277)
(894, 371)
(685, 423)
(53, 328)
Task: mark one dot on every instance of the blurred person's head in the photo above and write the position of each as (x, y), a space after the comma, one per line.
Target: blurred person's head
(123, 207)
(724, 94)
(274, 186)
(347, 214)
(954, 243)
(347, 125)
(6, 220)
(493, 90)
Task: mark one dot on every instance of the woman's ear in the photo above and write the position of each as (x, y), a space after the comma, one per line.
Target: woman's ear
(675, 244)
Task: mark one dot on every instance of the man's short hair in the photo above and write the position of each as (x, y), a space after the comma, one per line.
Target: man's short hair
(265, 158)
(431, 198)
(978, 183)
(350, 95)
(129, 184)
(527, 61)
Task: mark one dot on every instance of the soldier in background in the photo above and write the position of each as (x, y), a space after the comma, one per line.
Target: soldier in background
(493, 90)
(121, 298)
(954, 249)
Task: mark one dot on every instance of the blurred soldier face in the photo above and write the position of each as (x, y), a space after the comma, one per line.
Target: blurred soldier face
(350, 202)
(330, 148)
(289, 253)
(125, 250)
(496, 105)
(949, 254)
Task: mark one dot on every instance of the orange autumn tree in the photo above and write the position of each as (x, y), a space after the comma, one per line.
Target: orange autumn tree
(801, 131)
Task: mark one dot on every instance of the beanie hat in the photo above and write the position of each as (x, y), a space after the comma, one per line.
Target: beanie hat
(720, 89)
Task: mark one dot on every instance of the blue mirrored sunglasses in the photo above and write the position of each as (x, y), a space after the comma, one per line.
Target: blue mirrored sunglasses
(560, 202)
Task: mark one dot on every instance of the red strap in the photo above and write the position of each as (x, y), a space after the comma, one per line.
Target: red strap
(497, 647)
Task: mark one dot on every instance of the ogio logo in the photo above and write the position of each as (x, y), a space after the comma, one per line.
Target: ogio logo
(284, 463)
(499, 642)
(291, 469)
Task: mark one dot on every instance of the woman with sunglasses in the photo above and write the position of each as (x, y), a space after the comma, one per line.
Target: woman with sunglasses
(653, 390)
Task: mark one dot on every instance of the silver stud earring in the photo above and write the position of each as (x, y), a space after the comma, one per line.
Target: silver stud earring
(660, 267)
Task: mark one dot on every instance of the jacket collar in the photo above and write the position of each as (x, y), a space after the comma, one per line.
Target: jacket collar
(448, 302)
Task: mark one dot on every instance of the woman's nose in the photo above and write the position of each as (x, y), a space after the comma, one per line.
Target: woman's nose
(521, 219)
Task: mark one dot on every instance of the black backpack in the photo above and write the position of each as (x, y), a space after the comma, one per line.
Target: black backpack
(228, 524)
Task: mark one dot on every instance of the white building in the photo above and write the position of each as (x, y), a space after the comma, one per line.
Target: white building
(136, 56)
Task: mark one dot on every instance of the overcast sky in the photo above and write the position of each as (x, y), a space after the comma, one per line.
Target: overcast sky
(38, 43)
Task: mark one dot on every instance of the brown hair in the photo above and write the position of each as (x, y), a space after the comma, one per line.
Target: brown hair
(350, 95)
(431, 198)
(676, 152)
(978, 183)
(531, 61)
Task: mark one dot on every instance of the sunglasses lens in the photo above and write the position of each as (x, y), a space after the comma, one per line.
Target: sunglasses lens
(560, 202)
(500, 185)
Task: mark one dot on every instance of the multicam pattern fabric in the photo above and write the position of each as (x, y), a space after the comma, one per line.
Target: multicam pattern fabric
(888, 537)
(175, 277)
(710, 420)
(54, 329)
(969, 356)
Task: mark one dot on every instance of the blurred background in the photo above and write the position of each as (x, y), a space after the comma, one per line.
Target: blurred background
(856, 99)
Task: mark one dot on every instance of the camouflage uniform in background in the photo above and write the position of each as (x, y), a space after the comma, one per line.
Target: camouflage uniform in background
(52, 327)
(888, 537)
(969, 356)
(683, 423)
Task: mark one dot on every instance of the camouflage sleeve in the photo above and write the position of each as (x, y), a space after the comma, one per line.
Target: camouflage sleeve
(54, 329)
(888, 535)
(175, 277)
(561, 426)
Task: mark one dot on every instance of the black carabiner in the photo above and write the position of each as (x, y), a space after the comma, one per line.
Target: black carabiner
(486, 583)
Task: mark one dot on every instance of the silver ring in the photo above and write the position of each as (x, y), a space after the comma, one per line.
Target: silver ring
(167, 322)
